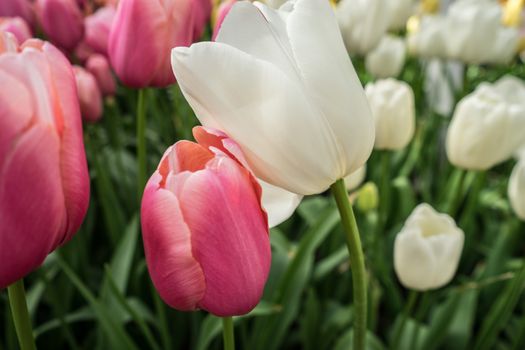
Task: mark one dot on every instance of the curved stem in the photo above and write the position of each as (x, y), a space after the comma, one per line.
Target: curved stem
(357, 262)
(227, 333)
(141, 143)
(17, 301)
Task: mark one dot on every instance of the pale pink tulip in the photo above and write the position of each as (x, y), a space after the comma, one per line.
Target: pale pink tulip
(62, 22)
(142, 36)
(98, 65)
(89, 95)
(204, 229)
(17, 26)
(97, 27)
(44, 182)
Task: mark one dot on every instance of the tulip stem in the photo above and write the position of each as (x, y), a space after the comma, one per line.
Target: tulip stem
(227, 333)
(141, 143)
(357, 262)
(21, 320)
(384, 191)
(409, 306)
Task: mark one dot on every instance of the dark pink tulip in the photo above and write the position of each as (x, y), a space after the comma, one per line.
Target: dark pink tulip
(98, 65)
(17, 26)
(89, 95)
(44, 182)
(202, 12)
(223, 10)
(97, 27)
(205, 232)
(62, 22)
(20, 8)
(142, 36)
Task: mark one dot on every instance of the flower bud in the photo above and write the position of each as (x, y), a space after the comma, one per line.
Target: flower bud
(368, 197)
(18, 8)
(61, 21)
(427, 250)
(205, 232)
(387, 59)
(88, 95)
(98, 65)
(392, 104)
(97, 28)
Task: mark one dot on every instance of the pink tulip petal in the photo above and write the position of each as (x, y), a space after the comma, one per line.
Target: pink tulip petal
(175, 272)
(229, 236)
(189, 156)
(31, 203)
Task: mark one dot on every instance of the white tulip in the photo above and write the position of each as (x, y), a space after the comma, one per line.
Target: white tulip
(475, 33)
(355, 179)
(428, 249)
(363, 23)
(486, 129)
(429, 41)
(400, 11)
(388, 58)
(516, 189)
(392, 104)
(511, 88)
(441, 80)
(281, 84)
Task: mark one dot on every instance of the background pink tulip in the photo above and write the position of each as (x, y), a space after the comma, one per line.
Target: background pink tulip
(62, 22)
(17, 26)
(97, 27)
(205, 232)
(44, 182)
(202, 12)
(89, 95)
(142, 35)
(20, 8)
(98, 65)
(223, 10)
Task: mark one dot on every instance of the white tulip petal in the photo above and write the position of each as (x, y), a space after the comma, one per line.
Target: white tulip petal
(263, 111)
(278, 203)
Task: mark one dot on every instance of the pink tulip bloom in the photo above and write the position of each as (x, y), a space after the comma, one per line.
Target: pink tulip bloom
(17, 26)
(20, 8)
(205, 232)
(89, 95)
(97, 27)
(62, 22)
(98, 65)
(142, 36)
(202, 12)
(223, 10)
(44, 182)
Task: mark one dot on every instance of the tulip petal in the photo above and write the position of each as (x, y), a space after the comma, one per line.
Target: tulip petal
(175, 272)
(278, 203)
(262, 112)
(32, 208)
(229, 236)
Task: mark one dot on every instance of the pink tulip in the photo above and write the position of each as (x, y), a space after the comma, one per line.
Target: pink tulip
(98, 65)
(44, 182)
(202, 12)
(223, 10)
(97, 27)
(20, 8)
(17, 26)
(205, 232)
(142, 36)
(89, 95)
(61, 21)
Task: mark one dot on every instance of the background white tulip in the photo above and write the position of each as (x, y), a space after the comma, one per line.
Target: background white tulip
(355, 179)
(486, 129)
(363, 23)
(400, 11)
(516, 189)
(392, 104)
(427, 250)
(285, 90)
(388, 58)
(429, 41)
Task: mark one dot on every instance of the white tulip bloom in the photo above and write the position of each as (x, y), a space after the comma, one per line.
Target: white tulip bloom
(486, 129)
(400, 11)
(427, 250)
(429, 41)
(281, 84)
(516, 189)
(388, 58)
(363, 23)
(393, 108)
(355, 179)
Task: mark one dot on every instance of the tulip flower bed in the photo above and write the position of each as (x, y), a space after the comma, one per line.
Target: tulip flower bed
(315, 177)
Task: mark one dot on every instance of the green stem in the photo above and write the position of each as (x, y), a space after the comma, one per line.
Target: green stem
(384, 191)
(141, 143)
(456, 193)
(419, 318)
(357, 262)
(17, 301)
(227, 333)
(409, 306)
